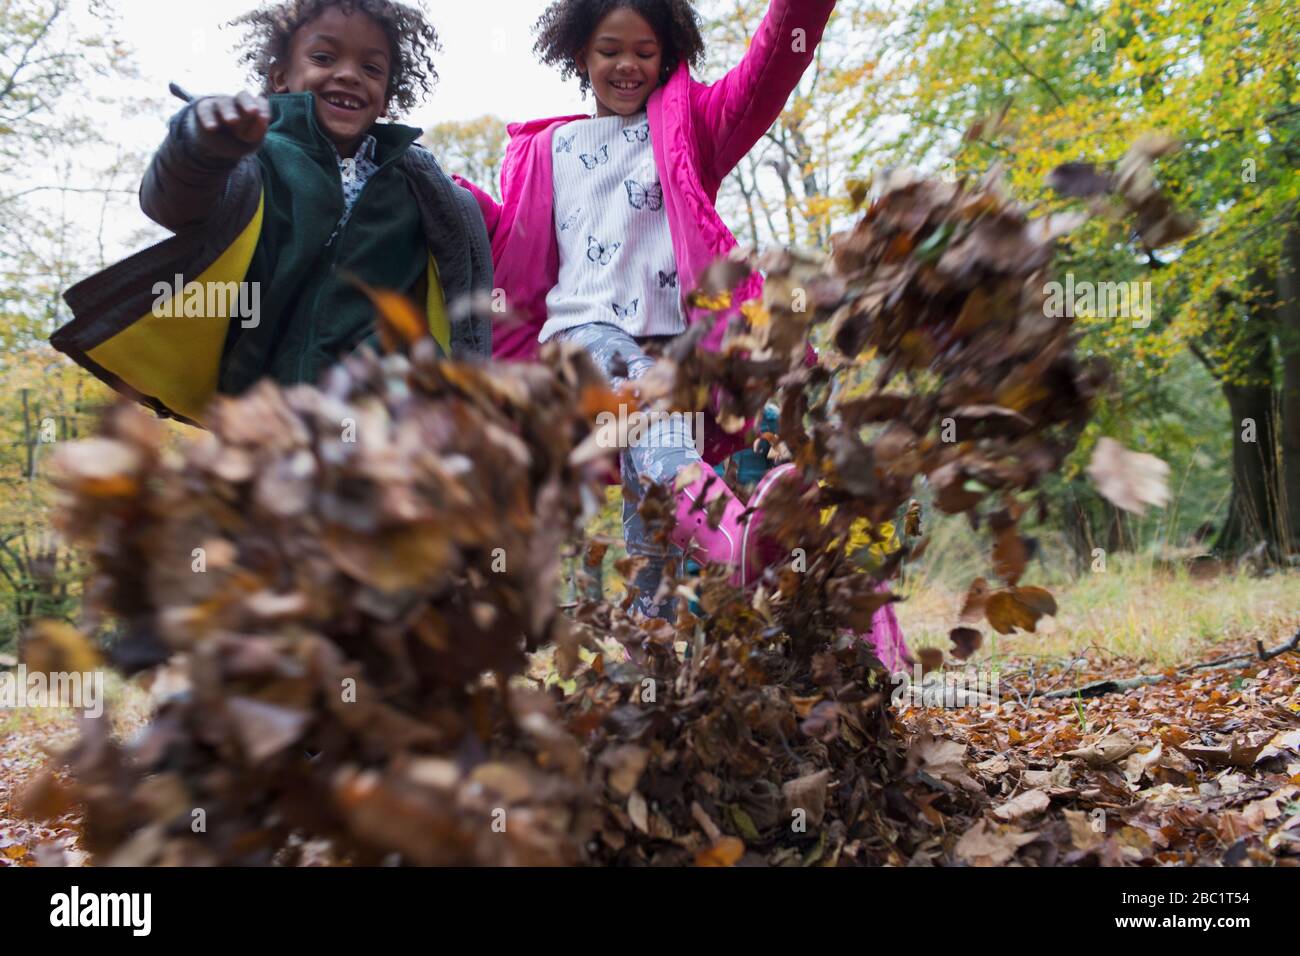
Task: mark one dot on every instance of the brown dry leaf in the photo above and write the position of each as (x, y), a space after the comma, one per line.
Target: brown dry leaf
(1024, 804)
(994, 766)
(807, 793)
(1007, 614)
(1083, 834)
(941, 758)
(1038, 600)
(1055, 781)
(400, 321)
(973, 607)
(1240, 752)
(1139, 763)
(1258, 814)
(701, 816)
(931, 659)
(1105, 751)
(965, 642)
(912, 519)
(988, 844)
(638, 811)
(1079, 180)
(265, 729)
(1018, 608)
(626, 765)
(503, 781)
(725, 852)
(1128, 479)
(56, 646)
(1009, 555)
(597, 399)
(98, 467)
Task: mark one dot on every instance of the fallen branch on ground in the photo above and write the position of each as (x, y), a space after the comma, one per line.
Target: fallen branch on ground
(1098, 688)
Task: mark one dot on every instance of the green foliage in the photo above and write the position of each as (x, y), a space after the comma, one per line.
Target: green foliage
(1029, 86)
(471, 148)
(46, 63)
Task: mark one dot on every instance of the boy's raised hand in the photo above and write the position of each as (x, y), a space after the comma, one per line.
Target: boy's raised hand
(232, 126)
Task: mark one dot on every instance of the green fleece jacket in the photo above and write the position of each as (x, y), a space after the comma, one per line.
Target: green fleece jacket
(312, 314)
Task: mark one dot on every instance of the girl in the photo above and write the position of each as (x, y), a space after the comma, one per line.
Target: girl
(608, 220)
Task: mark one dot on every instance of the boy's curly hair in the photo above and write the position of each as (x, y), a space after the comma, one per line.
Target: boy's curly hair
(411, 37)
(566, 27)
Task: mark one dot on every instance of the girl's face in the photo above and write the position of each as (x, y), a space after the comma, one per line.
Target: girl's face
(343, 59)
(622, 59)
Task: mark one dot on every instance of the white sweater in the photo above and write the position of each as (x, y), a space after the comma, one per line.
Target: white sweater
(616, 254)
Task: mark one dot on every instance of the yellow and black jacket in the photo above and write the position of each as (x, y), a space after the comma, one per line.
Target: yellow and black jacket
(270, 219)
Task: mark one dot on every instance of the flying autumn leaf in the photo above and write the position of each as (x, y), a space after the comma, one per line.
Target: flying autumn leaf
(966, 641)
(399, 321)
(1128, 479)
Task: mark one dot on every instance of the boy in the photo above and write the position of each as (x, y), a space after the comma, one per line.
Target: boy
(280, 203)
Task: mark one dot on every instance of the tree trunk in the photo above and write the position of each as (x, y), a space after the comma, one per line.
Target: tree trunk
(1119, 532)
(811, 188)
(1249, 384)
(748, 195)
(1252, 510)
(1288, 343)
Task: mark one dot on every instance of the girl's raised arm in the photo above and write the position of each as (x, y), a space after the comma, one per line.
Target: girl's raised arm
(737, 110)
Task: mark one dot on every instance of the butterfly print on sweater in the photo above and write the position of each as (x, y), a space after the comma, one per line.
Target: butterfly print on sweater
(628, 311)
(597, 251)
(637, 134)
(645, 197)
(564, 145)
(600, 158)
(667, 279)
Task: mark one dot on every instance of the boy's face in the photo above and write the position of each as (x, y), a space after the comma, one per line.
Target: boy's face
(344, 60)
(622, 60)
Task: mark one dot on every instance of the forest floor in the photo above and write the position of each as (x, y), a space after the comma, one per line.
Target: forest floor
(1197, 766)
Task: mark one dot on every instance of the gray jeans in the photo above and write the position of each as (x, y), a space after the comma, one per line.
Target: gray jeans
(665, 449)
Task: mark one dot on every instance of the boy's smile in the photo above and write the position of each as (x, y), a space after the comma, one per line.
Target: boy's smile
(344, 60)
(622, 61)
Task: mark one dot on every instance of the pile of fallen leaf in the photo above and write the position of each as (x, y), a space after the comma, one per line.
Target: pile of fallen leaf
(338, 569)
(772, 740)
(1201, 768)
(25, 739)
(353, 576)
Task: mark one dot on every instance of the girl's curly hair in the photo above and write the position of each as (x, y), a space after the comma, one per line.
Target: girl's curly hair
(411, 38)
(566, 27)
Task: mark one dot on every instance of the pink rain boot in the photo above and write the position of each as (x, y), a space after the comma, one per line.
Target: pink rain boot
(886, 638)
(736, 541)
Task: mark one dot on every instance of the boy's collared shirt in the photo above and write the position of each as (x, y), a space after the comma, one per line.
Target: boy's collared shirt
(354, 172)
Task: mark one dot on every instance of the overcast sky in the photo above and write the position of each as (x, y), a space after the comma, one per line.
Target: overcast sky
(486, 65)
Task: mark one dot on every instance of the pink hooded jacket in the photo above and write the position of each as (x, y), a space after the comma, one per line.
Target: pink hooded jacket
(699, 132)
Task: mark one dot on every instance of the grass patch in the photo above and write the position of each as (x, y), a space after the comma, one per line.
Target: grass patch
(1133, 610)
